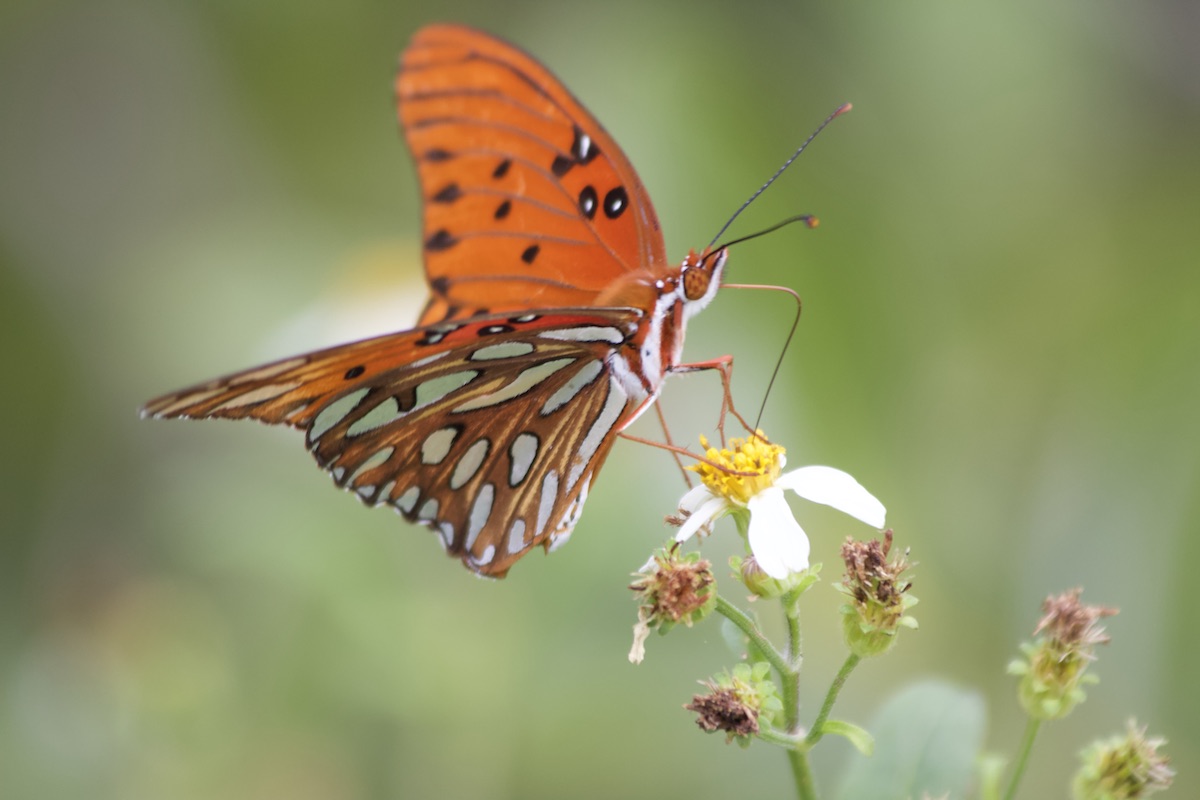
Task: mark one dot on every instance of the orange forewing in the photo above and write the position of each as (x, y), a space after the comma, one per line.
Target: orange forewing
(518, 181)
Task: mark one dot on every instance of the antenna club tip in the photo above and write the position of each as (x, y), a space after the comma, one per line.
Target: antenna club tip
(811, 221)
(843, 109)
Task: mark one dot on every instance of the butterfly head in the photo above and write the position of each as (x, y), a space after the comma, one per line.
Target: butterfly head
(700, 277)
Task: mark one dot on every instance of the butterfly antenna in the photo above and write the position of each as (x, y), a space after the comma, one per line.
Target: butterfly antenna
(810, 221)
(782, 352)
(841, 110)
(807, 219)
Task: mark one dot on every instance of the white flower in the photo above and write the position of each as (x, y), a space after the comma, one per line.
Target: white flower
(777, 541)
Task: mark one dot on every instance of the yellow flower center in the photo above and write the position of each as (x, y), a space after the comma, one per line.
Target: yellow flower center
(741, 470)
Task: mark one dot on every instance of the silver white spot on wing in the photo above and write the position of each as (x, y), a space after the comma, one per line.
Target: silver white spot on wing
(298, 411)
(385, 412)
(585, 333)
(385, 491)
(522, 452)
(562, 532)
(502, 350)
(526, 380)
(429, 359)
(408, 501)
(614, 404)
(516, 537)
(447, 534)
(437, 445)
(481, 509)
(435, 333)
(567, 524)
(574, 385)
(469, 463)
(378, 458)
(334, 413)
(546, 502)
(259, 395)
(429, 511)
(433, 390)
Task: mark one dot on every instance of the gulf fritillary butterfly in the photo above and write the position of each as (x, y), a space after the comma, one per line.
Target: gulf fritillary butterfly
(553, 318)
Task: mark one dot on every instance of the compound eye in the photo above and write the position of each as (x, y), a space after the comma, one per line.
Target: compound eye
(696, 281)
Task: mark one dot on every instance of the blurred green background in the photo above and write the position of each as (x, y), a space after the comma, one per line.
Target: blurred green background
(1001, 339)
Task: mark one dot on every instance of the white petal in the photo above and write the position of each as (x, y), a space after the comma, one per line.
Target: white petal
(835, 488)
(779, 544)
(695, 497)
(699, 518)
(645, 568)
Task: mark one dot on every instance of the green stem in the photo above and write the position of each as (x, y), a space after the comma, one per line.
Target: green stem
(805, 789)
(1031, 730)
(798, 754)
(795, 659)
(815, 733)
(747, 626)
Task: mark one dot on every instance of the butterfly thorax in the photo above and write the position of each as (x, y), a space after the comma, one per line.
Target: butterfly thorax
(667, 301)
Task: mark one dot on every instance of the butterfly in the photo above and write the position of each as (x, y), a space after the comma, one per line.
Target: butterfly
(553, 316)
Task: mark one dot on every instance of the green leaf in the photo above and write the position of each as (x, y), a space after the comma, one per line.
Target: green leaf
(863, 742)
(927, 740)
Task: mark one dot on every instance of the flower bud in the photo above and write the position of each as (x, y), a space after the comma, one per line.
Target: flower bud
(878, 596)
(763, 585)
(1122, 768)
(1053, 671)
(672, 588)
(738, 703)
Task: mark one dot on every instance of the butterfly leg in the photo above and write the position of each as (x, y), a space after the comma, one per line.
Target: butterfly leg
(723, 365)
(662, 421)
(677, 452)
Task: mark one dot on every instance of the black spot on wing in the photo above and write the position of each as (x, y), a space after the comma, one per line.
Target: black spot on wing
(583, 151)
(615, 202)
(588, 201)
(436, 334)
(561, 165)
(582, 147)
(440, 240)
(447, 194)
